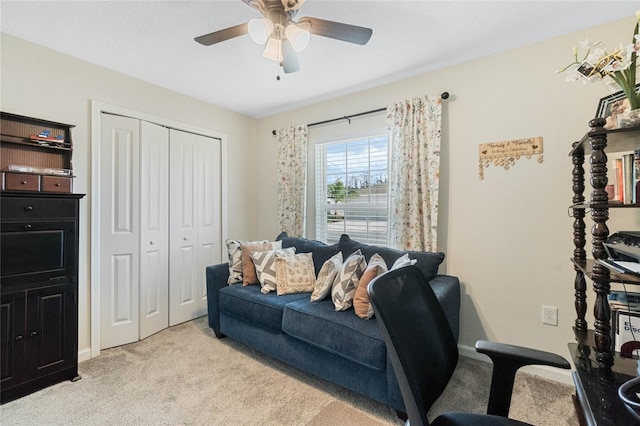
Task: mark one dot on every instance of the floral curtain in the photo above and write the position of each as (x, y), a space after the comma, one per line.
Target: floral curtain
(292, 178)
(414, 168)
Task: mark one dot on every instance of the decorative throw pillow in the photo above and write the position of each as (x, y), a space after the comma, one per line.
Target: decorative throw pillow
(344, 286)
(265, 263)
(234, 248)
(326, 276)
(403, 261)
(361, 303)
(295, 274)
(249, 275)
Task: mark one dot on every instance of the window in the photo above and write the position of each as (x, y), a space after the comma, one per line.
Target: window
(352, 190)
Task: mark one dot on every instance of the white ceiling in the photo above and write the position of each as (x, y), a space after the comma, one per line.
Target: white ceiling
(153, 41)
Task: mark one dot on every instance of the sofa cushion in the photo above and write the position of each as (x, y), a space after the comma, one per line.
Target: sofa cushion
(428, 262)
(319, 250)
(341, 333)
(250, 305)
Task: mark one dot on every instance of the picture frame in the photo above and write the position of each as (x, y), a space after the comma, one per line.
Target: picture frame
(609, 105)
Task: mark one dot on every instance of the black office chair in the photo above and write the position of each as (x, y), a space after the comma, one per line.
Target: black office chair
(424, 352)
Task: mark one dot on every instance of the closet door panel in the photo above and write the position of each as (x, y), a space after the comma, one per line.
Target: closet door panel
(154, 225)
(183, 175)
(119, 230)
(209, 220)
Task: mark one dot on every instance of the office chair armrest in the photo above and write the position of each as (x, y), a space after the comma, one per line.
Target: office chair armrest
(507, 359)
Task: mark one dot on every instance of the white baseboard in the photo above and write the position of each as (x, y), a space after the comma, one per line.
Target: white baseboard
(550, 373)
(84, 355)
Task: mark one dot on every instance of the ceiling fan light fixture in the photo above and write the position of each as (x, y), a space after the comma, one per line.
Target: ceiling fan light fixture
(298, 37)
(260, 29)
(273, 50)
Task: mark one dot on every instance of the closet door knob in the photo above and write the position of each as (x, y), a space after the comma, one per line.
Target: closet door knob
(19, 337)
(28, 208)
(33, 333)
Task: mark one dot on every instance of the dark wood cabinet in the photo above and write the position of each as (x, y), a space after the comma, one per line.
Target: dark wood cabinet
(599, 370)
(38, 291)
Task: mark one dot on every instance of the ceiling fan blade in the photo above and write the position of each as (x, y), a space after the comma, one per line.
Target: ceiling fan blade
(338, 30)
(222, 35)
(290, 61)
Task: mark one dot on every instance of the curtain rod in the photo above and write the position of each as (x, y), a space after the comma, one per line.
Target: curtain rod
(444, 95)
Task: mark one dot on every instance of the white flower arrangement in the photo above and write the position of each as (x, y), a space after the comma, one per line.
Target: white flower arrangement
(620, 65)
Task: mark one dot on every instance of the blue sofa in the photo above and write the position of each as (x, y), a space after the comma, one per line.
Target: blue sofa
(336, 346)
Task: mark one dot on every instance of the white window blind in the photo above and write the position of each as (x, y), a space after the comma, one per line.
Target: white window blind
(352, 190)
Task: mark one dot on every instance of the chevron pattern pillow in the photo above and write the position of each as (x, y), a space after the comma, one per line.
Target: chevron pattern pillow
(265, 263)
(326, 276)
(295, 273)
(344, 286)
(234, 248)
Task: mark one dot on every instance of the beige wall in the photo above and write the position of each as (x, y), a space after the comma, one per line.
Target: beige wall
(42, 83)
(509, 237)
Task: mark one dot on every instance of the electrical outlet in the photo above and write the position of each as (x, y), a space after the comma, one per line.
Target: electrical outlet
(550, 315)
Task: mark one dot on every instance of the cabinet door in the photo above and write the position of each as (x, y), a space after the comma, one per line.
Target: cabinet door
(51, 330)
(37, 250)
(12, 310)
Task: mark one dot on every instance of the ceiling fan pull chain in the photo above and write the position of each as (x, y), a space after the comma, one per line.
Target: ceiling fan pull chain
(280, 63)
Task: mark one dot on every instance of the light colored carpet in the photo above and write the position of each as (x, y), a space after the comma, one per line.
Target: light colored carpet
(339, 413)
(186, 376)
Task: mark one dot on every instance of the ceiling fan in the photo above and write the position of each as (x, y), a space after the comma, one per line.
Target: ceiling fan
(284, 36)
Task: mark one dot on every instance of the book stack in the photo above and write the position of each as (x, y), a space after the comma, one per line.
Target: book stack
(626, 178)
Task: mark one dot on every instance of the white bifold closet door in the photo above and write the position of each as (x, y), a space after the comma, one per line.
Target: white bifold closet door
(134, 235)
(160, 226)
(195, 221)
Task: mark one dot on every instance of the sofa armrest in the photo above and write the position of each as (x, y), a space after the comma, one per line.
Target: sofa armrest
(217, 278)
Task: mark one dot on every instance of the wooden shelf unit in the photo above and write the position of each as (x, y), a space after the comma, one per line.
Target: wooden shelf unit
(597, 143)
(34, 165)
(599, 370)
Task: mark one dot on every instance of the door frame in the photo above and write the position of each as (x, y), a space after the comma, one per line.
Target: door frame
(97, 108)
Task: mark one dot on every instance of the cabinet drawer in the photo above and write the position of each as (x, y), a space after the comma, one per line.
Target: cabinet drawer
(29, 208)
(55, 184)
(21, 182)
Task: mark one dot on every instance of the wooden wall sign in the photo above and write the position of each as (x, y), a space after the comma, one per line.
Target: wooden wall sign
(506, 153)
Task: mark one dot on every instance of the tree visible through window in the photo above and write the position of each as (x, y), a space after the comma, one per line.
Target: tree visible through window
(352, 190)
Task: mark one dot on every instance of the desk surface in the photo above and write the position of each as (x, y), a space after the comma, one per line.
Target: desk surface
(597, 388)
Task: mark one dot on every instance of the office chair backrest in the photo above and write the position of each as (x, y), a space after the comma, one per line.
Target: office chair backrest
(419, 340)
